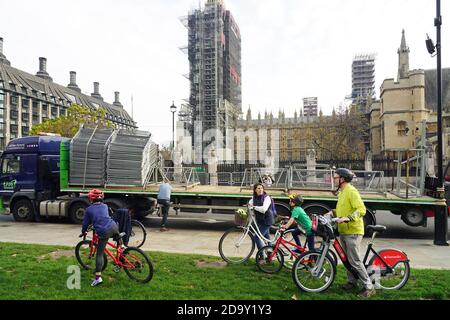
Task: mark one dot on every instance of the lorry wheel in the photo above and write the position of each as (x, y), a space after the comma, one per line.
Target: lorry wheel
(23, 211)
(282, 210)
(414, 217)
(77, 211)
(316, 208)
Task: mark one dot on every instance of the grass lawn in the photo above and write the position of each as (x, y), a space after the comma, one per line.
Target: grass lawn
(36, 272)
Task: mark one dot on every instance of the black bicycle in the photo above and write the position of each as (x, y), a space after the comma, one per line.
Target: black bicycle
(138, 233)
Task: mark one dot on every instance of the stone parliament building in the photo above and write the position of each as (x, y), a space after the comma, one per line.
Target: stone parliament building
(407, 106)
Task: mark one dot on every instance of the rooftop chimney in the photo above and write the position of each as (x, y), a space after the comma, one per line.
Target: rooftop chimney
(117, 102)
(73, 82)
(43, 64)
(2, 56)
(42, 73)
(96, 93)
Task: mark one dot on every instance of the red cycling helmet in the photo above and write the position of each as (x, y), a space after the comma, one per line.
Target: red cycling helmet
(96, 194)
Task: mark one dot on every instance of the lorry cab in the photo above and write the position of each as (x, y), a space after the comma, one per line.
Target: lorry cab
(29, 171)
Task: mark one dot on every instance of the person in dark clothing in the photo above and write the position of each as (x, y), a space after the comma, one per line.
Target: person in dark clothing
(261, 203)
(123, 219)
(97, 214)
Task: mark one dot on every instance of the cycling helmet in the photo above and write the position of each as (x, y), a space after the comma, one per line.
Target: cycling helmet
(346, 174)
(96, 194)
(296, 198)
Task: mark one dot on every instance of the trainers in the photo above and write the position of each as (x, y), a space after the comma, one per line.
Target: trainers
(348, 286)
(96, 282)
(163, 229)
(366, 293)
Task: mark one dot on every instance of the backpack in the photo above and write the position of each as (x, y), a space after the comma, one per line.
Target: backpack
(273, 208)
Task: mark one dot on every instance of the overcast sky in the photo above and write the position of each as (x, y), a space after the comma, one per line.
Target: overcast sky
(290, 48)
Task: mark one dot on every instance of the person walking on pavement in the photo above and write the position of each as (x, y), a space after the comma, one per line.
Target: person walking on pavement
(165, 190)
(97, 214)
(261, 203)
(350, 210)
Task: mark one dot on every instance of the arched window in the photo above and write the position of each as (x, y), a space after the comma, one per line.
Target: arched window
(402, 128)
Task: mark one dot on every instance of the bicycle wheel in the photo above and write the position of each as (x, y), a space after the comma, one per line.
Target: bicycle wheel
(137, 265)
(306, 276)
(138, 234)
(384, 279)
(236, 245)
(268, 263)
(86, 255)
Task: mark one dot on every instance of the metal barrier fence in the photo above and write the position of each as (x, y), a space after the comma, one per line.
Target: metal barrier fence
(270, 177)
(311, 179)
(410, 185)
(369, 181)
(300, 178)
(180, 176)
(230, 178)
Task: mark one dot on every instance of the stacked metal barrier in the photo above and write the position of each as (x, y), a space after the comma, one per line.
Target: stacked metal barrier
(88, 153)
(130, 157)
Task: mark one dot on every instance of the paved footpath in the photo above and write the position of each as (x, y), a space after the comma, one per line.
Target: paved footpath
(422, 253)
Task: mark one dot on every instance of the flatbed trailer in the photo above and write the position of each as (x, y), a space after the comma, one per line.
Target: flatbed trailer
(34, 182)
(225, 199)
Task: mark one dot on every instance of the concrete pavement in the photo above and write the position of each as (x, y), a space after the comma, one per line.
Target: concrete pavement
(422, 253)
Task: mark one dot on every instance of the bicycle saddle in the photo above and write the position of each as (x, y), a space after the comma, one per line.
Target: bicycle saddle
(377, 228)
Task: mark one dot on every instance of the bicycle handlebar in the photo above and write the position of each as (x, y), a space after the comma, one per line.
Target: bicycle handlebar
(83, 235)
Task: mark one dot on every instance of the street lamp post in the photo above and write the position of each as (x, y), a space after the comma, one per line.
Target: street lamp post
(440, 219)
(173, 109)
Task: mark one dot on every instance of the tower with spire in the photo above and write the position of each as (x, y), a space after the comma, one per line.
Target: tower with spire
(249, 114)
(403, 58)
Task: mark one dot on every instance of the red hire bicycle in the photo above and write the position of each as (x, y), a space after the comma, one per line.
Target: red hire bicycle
(134, 261)
(315, 271)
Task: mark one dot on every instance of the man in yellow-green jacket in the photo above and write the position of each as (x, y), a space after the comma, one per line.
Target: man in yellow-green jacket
(350, 210)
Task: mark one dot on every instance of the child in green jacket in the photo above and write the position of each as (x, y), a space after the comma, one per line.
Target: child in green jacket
(299, 215)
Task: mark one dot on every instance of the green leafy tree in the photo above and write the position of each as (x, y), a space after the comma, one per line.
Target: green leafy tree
(68, 126)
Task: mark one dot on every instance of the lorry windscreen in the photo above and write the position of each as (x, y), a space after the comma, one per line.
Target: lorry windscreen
(11, 164)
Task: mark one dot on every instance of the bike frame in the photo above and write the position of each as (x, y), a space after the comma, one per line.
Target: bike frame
(282, 242)
(119, 252)
(343, 257)
(252, 227)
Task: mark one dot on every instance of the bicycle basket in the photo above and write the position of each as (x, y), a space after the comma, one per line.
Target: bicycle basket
(321, 227)
(241, 217)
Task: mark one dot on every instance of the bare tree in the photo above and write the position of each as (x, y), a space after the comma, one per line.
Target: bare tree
(339, 136)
